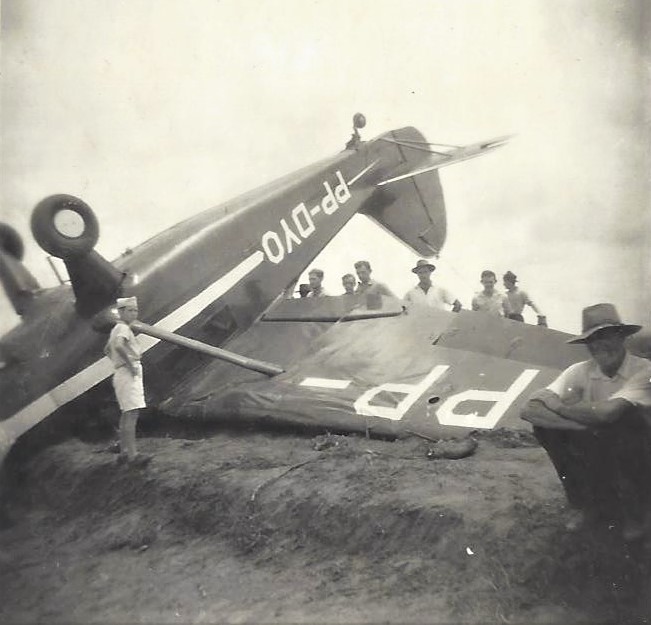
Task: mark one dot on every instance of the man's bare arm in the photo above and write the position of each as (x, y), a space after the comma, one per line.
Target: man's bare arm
(588, 413)
(121, 349)
(538, 414)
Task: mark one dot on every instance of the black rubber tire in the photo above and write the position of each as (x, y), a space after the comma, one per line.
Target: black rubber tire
(55, 242)
(11, 242)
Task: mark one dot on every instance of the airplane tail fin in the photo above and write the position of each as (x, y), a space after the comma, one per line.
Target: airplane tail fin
(411, 208)
(419, 219)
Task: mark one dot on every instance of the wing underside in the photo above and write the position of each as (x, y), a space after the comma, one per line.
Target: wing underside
(431, 372)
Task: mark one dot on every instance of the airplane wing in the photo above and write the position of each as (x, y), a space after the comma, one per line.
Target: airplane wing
(423, 371)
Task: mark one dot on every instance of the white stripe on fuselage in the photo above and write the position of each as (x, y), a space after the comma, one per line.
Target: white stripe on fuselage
(101, 369)
(326, 383)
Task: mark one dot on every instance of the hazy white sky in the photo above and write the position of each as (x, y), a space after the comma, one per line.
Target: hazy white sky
(152, 110)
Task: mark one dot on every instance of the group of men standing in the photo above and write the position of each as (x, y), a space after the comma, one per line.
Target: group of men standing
(489, 300)
(350, 284)
(510, 304)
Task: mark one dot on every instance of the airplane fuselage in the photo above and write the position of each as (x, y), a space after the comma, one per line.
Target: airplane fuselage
(209, 277)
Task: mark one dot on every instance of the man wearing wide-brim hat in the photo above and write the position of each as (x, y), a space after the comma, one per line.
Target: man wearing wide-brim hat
(592, 422)
(425, 293)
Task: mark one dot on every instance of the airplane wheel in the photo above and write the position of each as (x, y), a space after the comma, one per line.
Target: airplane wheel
(65, 226)
(11, 242)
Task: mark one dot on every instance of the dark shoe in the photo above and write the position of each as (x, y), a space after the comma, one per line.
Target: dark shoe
(113, 448)
(139, 460)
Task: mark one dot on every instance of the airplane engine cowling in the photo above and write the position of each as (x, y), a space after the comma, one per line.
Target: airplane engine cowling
(66, 227)
(19, 284)
(11, 242)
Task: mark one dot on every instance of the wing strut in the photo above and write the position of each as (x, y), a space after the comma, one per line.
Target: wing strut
(462, 153)
(261, 366)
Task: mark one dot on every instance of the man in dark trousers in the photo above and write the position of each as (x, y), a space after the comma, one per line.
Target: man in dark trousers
(594, 420)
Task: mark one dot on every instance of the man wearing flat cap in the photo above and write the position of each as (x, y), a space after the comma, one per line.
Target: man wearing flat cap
(427, 294)
(593, 421)
(124, 352)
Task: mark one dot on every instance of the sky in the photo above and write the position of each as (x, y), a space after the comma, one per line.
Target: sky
(153, 110)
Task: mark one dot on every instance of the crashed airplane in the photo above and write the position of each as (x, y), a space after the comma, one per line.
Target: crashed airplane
(220, 342)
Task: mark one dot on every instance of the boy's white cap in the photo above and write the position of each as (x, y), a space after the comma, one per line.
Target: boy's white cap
(123, 302)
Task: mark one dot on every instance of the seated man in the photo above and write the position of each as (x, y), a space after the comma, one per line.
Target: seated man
(591, 421)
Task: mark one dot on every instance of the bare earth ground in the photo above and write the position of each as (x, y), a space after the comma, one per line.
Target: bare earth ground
(246, 527)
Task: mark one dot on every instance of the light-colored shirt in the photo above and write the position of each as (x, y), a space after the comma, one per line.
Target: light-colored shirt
(435, 297)
(518, 299)
(495, 304)
(320, 293)
(373, 287)
(584, 381)
(122, 333)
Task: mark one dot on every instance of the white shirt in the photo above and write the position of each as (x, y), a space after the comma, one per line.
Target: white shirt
(584, 381)
(122, 331)
(435, 297)
(495, 304)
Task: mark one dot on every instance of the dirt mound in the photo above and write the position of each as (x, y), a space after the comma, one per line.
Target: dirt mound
(279, 528)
